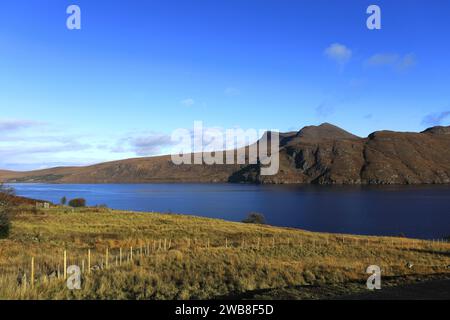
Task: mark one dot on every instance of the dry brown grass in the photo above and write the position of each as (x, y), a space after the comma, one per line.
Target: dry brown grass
(203, 258)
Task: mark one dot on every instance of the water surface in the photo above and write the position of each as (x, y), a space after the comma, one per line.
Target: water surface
(415, 211)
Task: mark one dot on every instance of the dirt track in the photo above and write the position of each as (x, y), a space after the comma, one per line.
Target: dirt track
(430, 290)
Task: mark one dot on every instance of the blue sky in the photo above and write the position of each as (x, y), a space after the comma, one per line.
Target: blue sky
(137, 70)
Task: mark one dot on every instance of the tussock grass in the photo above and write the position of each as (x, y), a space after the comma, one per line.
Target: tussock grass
(203, 258)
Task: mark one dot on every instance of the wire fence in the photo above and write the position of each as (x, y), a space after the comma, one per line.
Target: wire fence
(42, 270)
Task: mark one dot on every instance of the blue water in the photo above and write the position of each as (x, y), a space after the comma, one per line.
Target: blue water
(415, 211)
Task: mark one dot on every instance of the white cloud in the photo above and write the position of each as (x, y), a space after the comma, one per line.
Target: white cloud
(188, 102)
(383, 59)
(39, 151)
(397, 61)
(338, 53)
(28, 144)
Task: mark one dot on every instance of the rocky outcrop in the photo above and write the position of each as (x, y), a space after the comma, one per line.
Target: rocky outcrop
(332, 156)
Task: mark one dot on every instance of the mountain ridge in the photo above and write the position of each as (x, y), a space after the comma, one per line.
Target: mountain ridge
(324, 154)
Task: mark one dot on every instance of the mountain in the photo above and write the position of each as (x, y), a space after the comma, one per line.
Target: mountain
(325, 131)
(323, 154)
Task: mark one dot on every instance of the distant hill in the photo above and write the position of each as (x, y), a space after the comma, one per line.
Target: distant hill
(322, 154)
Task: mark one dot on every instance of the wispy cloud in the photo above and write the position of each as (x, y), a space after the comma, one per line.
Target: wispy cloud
(23, 149)
(188, 102)
(435, 119)
(324, 110)
(8, 125)
(338, 53)
(396, 61)
(144, 144)
(30, 153)
(27, 142)
(26, 165)
(150, 145)
(25, 145)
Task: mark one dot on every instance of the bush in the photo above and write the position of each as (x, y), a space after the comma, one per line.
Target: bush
(63, 201)
(5, 210)
(256, 218)
(77, 203)
(5, 224)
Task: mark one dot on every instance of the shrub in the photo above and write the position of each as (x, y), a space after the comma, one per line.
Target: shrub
(63, 201)
(5, 210)
(256, 218)
(77, 203)
(5, 224)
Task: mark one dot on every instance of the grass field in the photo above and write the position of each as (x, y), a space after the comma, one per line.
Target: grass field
(185, 257)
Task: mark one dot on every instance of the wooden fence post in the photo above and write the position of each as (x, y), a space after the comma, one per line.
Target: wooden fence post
(89, 261)
(106, 258)
(131, 253)
(226, 242)
(24, 282)
(32, 273)
(65, 265)
(120, 256)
